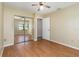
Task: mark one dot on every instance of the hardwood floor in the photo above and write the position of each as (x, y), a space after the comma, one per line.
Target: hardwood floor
(41, 48)
(21, 38)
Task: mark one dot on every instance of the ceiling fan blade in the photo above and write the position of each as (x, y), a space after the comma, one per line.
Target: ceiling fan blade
(40, 3)
(47, 6)
(34, 4)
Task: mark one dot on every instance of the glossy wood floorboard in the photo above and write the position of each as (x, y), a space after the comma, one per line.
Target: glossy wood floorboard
(21, 38)
(41, 48)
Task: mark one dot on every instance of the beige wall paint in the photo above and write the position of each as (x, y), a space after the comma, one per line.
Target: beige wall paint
(9, 23)
(35, 27)
(1, 28)
(65, 26)
(0, 25)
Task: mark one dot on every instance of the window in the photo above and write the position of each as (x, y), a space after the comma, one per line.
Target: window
(26, 25)
(23, 23)
(21, 26)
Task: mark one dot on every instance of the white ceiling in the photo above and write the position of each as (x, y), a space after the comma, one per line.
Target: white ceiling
(28, 6)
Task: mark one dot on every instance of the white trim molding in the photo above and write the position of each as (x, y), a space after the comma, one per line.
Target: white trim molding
(67, 45)
(1, 52)
(35, 39)
(8, 44)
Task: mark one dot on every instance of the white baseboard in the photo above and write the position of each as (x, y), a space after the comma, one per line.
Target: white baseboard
(35, 40)
(66, 45)
(8, 44)
(1, 52)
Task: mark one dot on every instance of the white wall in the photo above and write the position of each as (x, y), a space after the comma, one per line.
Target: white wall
(65, 26)
(9, 14)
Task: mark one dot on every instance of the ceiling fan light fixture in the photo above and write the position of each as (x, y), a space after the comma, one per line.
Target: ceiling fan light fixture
(41, 7)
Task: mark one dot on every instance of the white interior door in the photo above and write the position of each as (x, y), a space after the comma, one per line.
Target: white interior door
(46, 28)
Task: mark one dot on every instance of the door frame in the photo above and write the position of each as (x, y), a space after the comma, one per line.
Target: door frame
(14, 31)
(24, 22)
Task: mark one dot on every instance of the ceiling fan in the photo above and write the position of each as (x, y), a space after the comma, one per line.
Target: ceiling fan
(41, 5)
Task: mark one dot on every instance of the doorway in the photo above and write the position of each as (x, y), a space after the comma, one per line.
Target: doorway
(22, 29)
(39, 28)
(43, 28)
